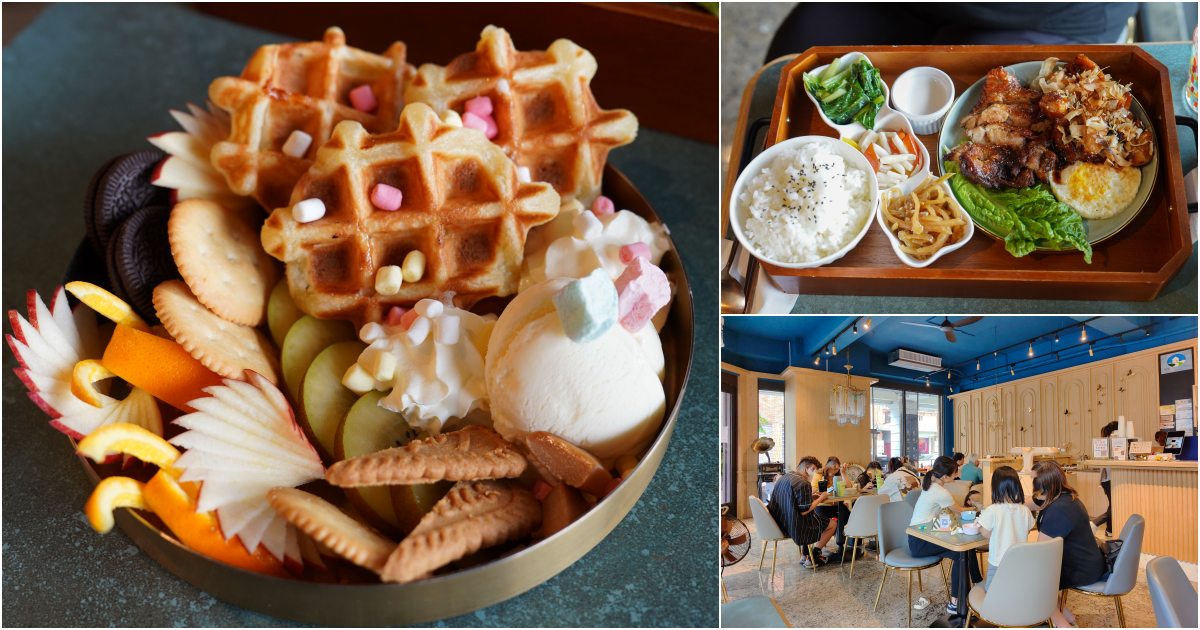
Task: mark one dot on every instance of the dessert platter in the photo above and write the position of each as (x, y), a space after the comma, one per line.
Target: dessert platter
(1052, 154)
(369, 343)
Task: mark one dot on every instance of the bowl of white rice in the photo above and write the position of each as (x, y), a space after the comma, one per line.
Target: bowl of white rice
(804, 202)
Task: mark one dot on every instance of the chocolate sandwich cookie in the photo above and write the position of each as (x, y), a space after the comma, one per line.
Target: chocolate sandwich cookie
(139, 258)
(117, 190)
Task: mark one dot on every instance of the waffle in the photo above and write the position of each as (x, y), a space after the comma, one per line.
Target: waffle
(301, 86)
(464, 209)
(547, 118)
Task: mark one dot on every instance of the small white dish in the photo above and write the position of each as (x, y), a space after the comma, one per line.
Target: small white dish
(739, 214)
(917, 262)
(895, 121)
(852, 129)
(923, 95)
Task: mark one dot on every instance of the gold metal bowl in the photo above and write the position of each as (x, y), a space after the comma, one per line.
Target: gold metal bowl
(469, 589)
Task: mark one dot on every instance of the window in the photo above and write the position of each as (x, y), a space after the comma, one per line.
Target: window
(905, 423)
(771, 415)
(728, 436)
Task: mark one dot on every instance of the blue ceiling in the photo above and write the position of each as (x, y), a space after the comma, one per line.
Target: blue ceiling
(771, 343)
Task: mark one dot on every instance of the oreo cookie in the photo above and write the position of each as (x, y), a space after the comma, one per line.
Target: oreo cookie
(139, 258)
(117, 190)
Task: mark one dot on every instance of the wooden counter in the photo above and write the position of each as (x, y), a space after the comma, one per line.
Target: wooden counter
(1164, 493)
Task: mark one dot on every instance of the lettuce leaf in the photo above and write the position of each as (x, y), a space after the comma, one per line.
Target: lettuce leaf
(1025, 217)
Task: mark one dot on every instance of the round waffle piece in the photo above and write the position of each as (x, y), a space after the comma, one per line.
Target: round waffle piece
(220, 257)
(139, 258)
(222, 346)
(546, 116)
(464, 208)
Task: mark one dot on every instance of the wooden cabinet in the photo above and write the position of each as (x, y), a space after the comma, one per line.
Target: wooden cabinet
(993, 422)
(1048, 433)
(1073, 399)
(1135, 394)
(1028, 398)
(962, 415)
(1101, 401)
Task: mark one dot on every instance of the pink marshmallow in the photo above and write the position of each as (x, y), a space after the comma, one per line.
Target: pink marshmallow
(474, 121)
(408, 318)
(480, 106)
(395, 315)
(386, 197)
(492, 130)
(603, 205)
(363, 98)
(634, 250)
(642, 290)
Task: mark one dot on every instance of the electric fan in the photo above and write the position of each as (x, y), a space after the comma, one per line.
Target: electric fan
(735, 539)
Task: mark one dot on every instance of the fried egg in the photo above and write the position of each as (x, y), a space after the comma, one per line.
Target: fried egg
(1096, 191)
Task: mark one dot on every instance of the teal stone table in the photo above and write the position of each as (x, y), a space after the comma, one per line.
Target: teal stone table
(86, 82)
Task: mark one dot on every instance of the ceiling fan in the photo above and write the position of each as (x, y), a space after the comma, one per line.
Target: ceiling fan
(947, 327)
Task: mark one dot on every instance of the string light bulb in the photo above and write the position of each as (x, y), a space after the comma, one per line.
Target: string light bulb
(817, 360)
(1030, 348)
(835, 349)
(1011, 371)
(1083, 333)
(1055, 337)
(977, 368)
(856, 329)
(867, 324)
(926, 381)
(1091, 350)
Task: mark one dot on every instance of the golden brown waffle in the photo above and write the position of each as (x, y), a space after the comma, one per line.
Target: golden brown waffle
(301, 86)
(547, 117)
(464, 209)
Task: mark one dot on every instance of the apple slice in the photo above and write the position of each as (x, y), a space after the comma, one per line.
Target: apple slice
(187, 169)
(242, 441)
(324, 401)
(282, 312)
(305, 340)
(369, 428)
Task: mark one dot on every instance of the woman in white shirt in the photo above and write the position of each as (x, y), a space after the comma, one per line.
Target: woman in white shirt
(934, 498)
(1007, 520)
(898, 480)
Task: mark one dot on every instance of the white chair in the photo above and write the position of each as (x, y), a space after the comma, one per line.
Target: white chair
(768, 532)
(1025, 592)
(958, 489)
(1171, 593)
(862, 525)
(893, 549)
(1124, 573)
(911, 497)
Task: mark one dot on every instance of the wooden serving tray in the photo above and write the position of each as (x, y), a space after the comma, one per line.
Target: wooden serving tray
(1133, 265)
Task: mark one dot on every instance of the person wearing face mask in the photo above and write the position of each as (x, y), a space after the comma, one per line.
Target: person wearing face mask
(794, 508)
(934, 498)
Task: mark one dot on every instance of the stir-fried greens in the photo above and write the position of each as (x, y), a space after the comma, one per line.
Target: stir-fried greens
(1025, 217)
(848, 91)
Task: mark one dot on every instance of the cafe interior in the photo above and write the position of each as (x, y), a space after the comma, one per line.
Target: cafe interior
(1031, 471)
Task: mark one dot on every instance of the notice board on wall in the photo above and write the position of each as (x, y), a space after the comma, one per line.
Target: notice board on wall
(1176, 376)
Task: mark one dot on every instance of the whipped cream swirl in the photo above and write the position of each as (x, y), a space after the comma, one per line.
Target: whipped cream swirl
(579, 241)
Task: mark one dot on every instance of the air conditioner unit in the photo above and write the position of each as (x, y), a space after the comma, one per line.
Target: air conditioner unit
(910, 360)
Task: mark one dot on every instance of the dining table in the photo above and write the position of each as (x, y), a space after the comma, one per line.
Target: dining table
(961, 544)
(84, 82)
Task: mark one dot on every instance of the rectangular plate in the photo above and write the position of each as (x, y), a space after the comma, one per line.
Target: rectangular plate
(1133, 265)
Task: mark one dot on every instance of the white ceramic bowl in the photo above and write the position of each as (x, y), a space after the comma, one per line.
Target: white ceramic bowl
(916, 262)
(739, 214)
(923, 95)
(852, 129)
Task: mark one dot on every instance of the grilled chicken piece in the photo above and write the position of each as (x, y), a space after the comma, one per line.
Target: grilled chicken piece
(1001, 134)
(1054, 104)
(1001, 87)
(1040, 159)
(992, 166)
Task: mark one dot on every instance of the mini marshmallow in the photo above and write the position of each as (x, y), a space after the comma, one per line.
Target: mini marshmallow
(418, 330)
(523, 175)
(363, 98)
(297, 144)
(407, 319)
(371, 332)
(587, 226)
(642, 290)
(386, 197)
(413, 265)
(429, 308)
(452, 118)
(634, 250)
(471, 121)
(502, 86)
(394, 316)
(480, 106)
(491, 131)
(358, 380)
(448, 329)
(388, 280)
(603, 205)
(587, 307)
(379, 363)
(308, 210)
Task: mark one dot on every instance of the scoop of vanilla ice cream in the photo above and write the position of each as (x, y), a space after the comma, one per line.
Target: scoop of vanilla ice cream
(605, 396)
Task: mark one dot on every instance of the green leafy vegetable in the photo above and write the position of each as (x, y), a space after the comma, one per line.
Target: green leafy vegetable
(1025, 217)
(853, 93)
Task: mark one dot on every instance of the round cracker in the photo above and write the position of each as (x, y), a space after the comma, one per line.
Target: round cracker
(220, 256)
(222, 346)
(328, 525)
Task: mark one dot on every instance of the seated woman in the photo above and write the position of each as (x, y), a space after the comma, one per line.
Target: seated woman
(866, 480)
(794, 509)
(1007, 520)
(934, 498)
(1062, 515)
(833, 469)
(971, 470)
(898, 481)
(958, 464)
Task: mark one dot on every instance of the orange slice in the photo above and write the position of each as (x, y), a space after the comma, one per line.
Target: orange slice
(159, 366)
(175, 504)
(106, 304)
(110, 494)
(123, 438)
(84, 378)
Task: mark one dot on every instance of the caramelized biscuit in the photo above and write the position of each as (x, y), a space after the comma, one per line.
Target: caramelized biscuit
(474, 452)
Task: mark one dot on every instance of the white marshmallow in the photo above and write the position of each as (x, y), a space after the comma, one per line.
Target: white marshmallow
(297, 144)
(587, 226)
(523, 175)
(429, 308)
(308, 210)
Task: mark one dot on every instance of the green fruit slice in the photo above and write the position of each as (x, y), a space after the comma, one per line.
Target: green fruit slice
(324, 400)
(282, 312)
(306, 339)
(369, 428)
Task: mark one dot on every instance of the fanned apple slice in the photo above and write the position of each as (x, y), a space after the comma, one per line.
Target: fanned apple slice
(241, 441)
(187, 169)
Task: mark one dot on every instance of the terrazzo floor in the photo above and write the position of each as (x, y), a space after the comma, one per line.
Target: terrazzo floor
(828, 597)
